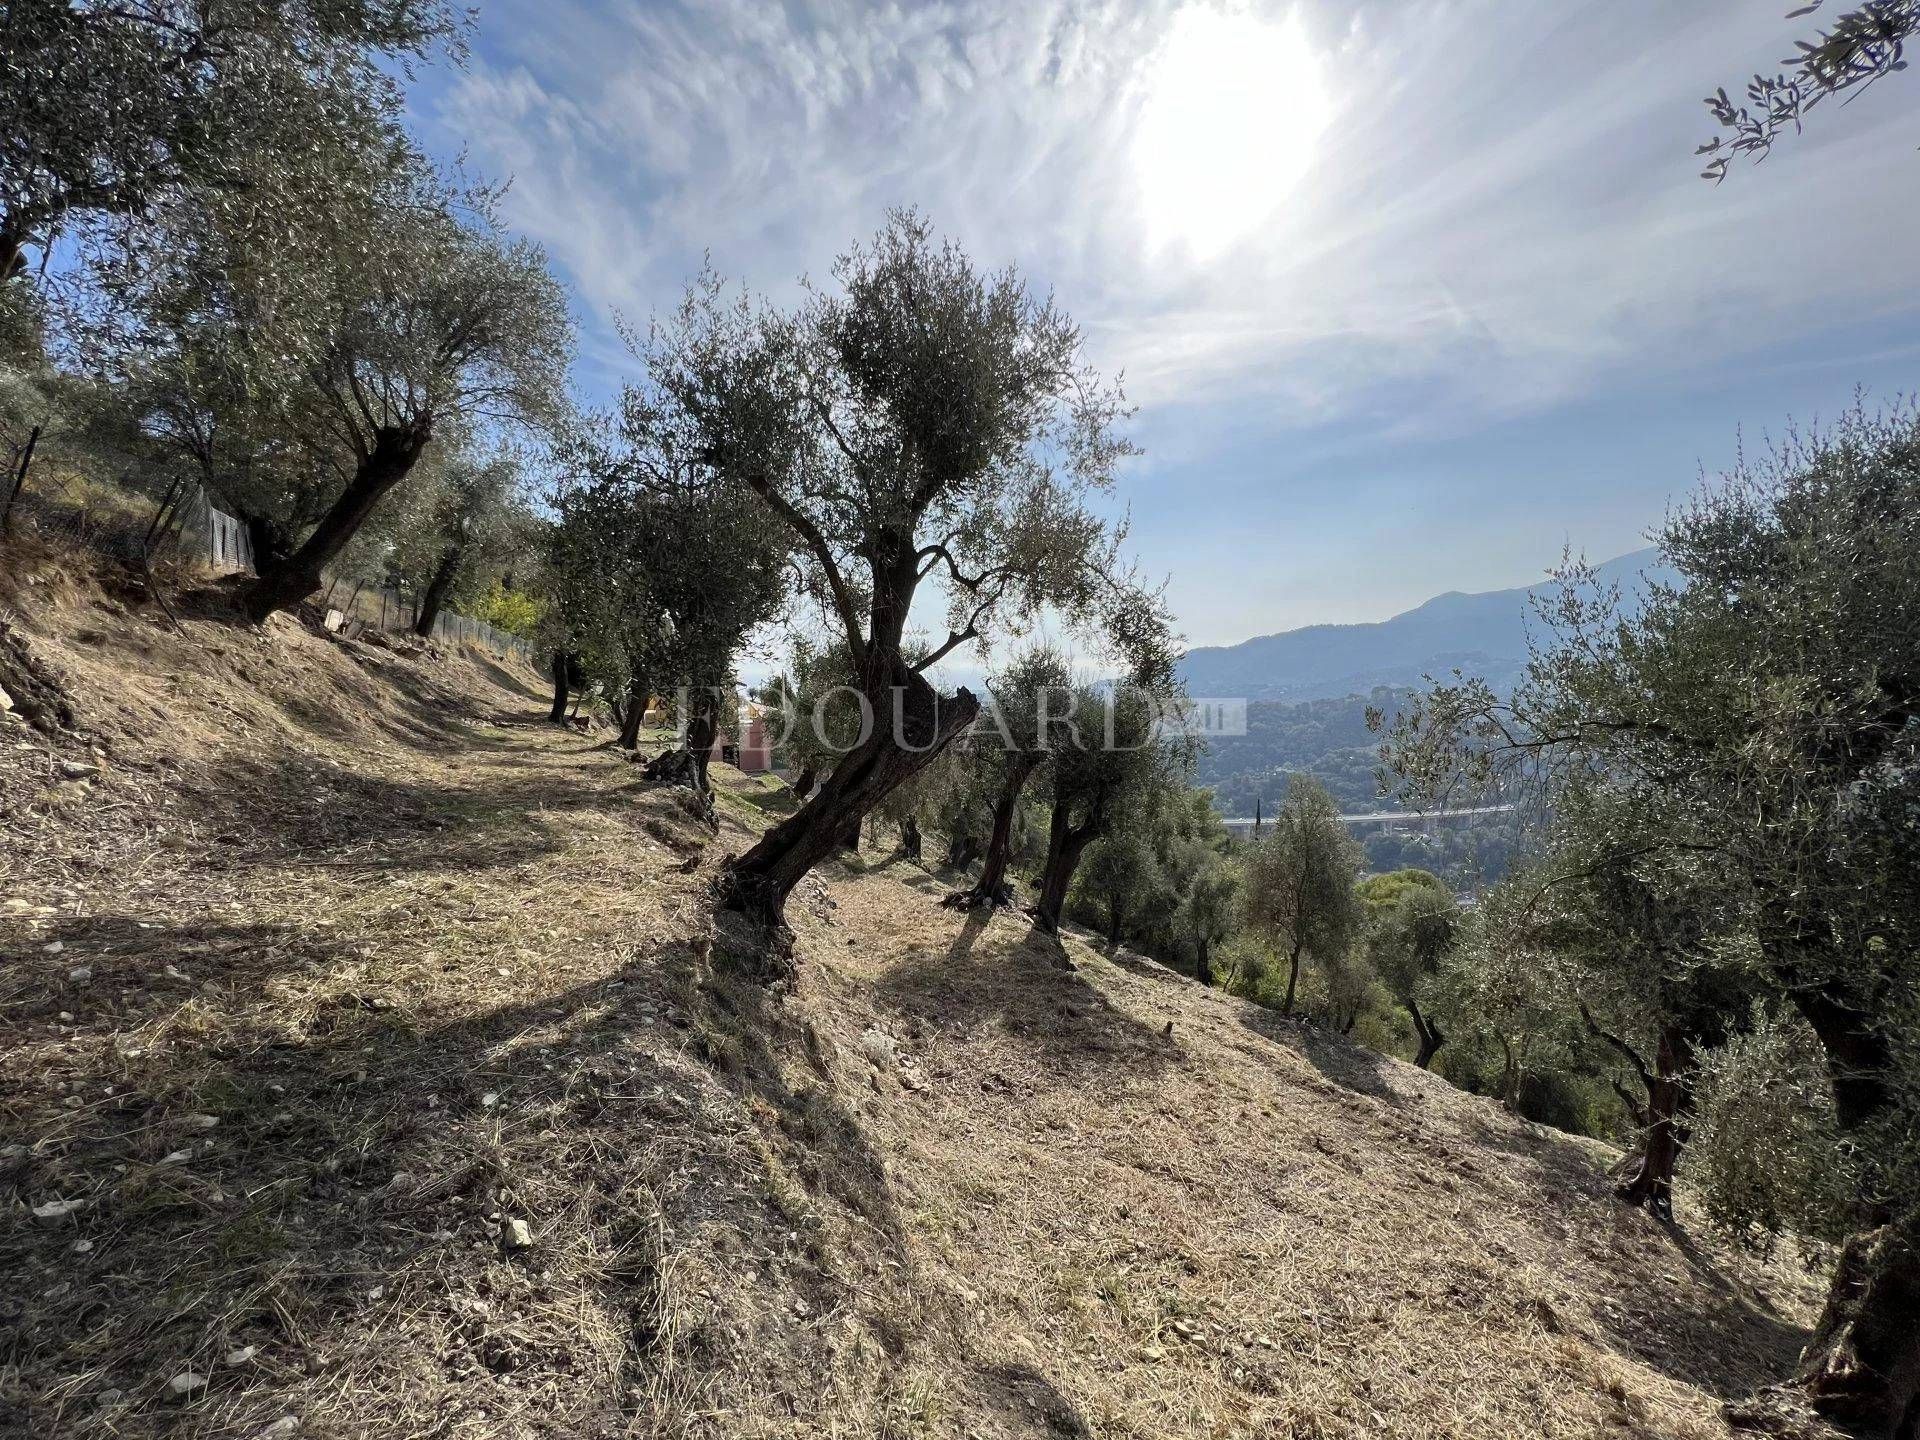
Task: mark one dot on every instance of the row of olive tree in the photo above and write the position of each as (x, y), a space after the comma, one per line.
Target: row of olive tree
(923, 433)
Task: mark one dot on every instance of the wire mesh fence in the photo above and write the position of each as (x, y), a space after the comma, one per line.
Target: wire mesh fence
(355, 607)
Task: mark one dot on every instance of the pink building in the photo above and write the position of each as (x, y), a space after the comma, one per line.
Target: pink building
(754, 756)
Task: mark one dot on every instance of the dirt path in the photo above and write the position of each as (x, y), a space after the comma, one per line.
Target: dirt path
(370, 1023)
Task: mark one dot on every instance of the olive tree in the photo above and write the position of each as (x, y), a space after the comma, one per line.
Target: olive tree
(1412, 927)
(474, 515)
(1298, 892)
(691, 562)
(1111, 762)
(1010, 746)
(1209, 910)
(922, 426)
(1769, 704)
(307, 376)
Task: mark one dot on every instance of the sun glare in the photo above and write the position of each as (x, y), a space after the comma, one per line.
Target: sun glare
(1235, 106)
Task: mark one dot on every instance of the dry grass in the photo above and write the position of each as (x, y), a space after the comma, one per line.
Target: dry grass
(433, 967)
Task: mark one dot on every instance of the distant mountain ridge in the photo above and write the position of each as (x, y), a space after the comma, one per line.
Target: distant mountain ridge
(1479, 634)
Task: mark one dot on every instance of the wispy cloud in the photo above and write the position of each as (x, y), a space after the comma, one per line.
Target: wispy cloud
(1499, 215)
(1502, 202)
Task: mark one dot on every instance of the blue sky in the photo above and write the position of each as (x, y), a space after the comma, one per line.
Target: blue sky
(1410, 295)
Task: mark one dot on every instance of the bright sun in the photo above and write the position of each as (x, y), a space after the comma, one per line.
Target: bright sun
(1235, 106)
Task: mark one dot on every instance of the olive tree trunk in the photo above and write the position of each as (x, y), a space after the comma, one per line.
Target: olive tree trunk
(284, 583)
(1429, 1034)
(637, 696)
(19, 479)
(758, 883)
(1293, 978)
(436, 597)
(1066, 843)
(992, 887)
(1648, 1181)
(1861, 1368)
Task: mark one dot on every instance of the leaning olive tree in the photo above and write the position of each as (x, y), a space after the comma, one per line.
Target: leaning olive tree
(1769, 706)
(306, 358)
(923, 428)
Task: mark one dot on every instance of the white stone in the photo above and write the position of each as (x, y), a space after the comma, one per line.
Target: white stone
(242, 1355)
(279, 1429)
(519, 1234)
(56, 1212)
(186, 1383)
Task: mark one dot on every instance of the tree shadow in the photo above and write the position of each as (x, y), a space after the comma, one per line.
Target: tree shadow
(297, 1180)
(1352, 1067)
(1026, 1402)
(1022, 988)
(1727, 1342)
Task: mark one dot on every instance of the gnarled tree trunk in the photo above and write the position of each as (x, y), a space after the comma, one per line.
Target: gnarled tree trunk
(562, 670)
(758, 883)
(1649, 1180)
(285, 583)
(703, 728)
(1066, 842)
(992, 887)
(436, 597)
(637, 696)
(1430, 1036)
(1203, 959)
(1861, 1368)
(910, 838)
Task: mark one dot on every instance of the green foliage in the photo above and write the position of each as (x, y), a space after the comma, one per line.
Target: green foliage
(1745, 754)
(670, 561)
(1765, 1154)
(1298, 894)
(517, 612)
(112, 114)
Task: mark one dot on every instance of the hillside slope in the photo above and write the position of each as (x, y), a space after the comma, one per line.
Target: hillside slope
(1482, 634)
(382, 1035)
